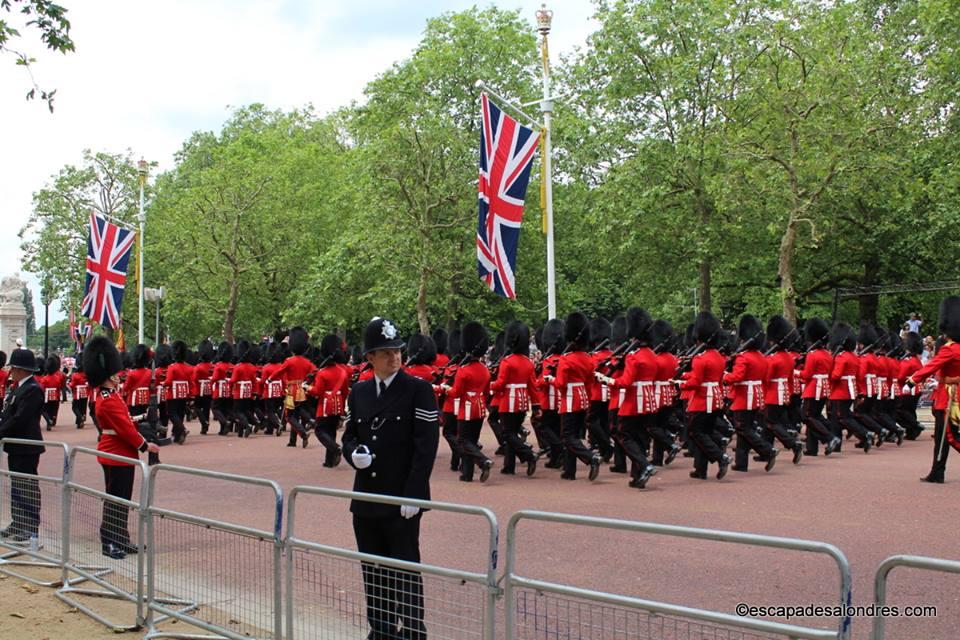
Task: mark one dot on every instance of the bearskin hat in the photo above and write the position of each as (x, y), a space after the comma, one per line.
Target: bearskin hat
(440, 340)
(842, 337)
(421, 349)
(706, 328)
(299, 341)
(193, 358)
(517, 338)
(778, 329)
(3, 359)
(949, 321)
(552, 337)
(101, 360)
(576, 330)
(600, 330)
(127, 359)
(895, 345)
(748, 329)
(661, 334)
(868, 334)
(225, 352)
(52, 364)
(455, 343)
(142, 356)
(618, 330)
(538, 338)
(206, 351)
(475, 339)
(815, 330)
(638, 324)
(179, 349)
(164, 355)
(330, 345)
(240, 351)
(913, 343)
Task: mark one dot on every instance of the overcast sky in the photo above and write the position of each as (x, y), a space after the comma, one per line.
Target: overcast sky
(147, 74)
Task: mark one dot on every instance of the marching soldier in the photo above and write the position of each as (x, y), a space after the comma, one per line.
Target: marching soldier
(661, 336)
(817, 365)
(910, 396)
(779, 387)
(272, 389)
(449, 404)
(512, 391)
(78, 390)
(551, 344)
(293, 372)
(243, 384)
(867, 387)
(471, 386)
(220, 381)
(327, 388)
(843, 386)
(179, 379)
(202, 373)
(598, 421)
(53, 384)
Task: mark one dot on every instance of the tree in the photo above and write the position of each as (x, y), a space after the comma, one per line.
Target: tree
(51, 21)
(54, 240)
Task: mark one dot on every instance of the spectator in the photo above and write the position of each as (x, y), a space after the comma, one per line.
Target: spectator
(928, 345)
(915, 322)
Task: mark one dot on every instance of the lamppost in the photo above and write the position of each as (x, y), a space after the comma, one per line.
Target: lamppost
(45, 295)
(155, 295)
(142, 171)
(544, 20)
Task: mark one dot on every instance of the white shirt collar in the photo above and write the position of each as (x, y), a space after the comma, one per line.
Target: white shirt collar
(386, 381)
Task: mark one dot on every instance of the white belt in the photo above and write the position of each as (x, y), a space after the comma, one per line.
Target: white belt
(894, 383)
(570, 387)
(108, 432)
(820, 378)
(781, 390)
(750, 385)
(871, 379)
(512, 396)
(851, 385)
(880, 383)
(710, 386)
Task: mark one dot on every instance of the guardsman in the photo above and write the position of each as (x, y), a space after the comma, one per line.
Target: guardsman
(179, 379)
(293, 372)
(220, 381)
(779, 386)
(662, 339)
(598, 418)
(551, 345)
(471, 386)
(910, 395)
(843, 386)
(243, 384)
(78, 390)
(449, 404)
(512, 390)
(817, 363)
(327, 388)
(202, 372)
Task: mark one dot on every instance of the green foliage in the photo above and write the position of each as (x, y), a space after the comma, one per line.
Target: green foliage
(50, 20)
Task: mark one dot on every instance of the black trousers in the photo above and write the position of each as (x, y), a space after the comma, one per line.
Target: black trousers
(272, 410)
(113, 526)
(222, 413)
(573, 428)
(598, 427)
(24, 495)
(468, 439)
(550, 427)
(394, 596)
(619, 455)
(749, 437)
(493, 417)
(450, 435)
(841, 417)
(864, 413)
(941, 448)
(634, 436)
(514, 446)
(177, 412)
(907, 416)
(50, 411)
(818, 430)
(326, 432)
(79, 408)
(780, 424)
(202, 404)
(701, 435)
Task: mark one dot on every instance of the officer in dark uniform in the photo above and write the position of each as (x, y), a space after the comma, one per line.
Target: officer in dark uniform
(391, 440)
(21, 419)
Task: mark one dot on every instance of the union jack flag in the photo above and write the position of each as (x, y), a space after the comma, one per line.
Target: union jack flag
(80, 332)
(108, 252)
(506, 156)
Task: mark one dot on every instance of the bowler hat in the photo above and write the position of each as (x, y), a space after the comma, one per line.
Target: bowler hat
(381, 334)
(23, 359)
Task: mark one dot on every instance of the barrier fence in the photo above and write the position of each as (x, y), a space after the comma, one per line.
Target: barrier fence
(883, 572)
(329, 596)
(219, 576)
(238, 581)
(537, 609)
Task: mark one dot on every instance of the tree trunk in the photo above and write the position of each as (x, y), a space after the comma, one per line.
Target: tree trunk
(785, 270)
(869, 302)
(231, 313)
(422, 318)
(703, 291)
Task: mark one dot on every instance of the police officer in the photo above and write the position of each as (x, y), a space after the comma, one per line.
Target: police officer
(21, 419)
(391, 440)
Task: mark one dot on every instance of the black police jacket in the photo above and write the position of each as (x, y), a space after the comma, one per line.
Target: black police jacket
(400, 428)
(21, 418)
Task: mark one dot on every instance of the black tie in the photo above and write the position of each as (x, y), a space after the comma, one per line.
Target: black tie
(383, 387)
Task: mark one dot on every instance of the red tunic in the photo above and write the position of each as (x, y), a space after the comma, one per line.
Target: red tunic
(816, 374)
(600, 392)
(201, 379)
(4, 375)
(843, 378)
(441, 360)
(220, 380)
(118, 434)
(78, 385)
(178, 381)
(136, 388)
(747, 379)
(704, 381)
(909, 366)
(327, 388)
(867, 376)
(515, 385)
(549, 396)
(470, 387)
(52, 384)
(778, 378)
(666, 370)
(574, 381)
(639, 379)
(946, 362)
(271, 386)
(243, 381)
(450, 404)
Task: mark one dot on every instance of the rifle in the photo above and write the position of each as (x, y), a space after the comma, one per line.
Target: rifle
(356, 374)
(685, 361)
(866, 350)
(776, 345)
(625, 347)
(802, 358)
(600, 347)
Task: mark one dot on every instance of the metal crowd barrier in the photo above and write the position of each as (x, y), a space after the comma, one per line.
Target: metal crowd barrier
(327, 597)
(883, 571)
(40, 501)
(562, 611)
(228, 573)
(91, 518)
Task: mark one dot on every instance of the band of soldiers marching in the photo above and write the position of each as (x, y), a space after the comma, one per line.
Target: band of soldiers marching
(631, 393)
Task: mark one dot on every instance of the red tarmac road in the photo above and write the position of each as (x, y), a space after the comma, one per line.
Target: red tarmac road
(871, 506)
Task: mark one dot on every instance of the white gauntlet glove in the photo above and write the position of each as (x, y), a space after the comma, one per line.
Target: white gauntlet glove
(408, 511)
(602, 378)
(361, 457)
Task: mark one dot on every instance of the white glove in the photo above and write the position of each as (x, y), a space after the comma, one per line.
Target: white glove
(305, 386)
(361, 457)
(408, 511)
(140, 417)
(602, 378)
(446, 387)
(549, 378)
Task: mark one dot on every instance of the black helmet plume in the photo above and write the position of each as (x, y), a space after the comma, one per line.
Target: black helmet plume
(101, 360)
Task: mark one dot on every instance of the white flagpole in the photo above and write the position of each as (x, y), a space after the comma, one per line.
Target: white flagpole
(142, 170)
(544, 18)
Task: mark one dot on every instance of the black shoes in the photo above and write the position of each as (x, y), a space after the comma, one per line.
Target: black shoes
(697, 475)
(14, 535)
(772, 460)
(641, 481)
(724, 466)
(114, 551)
(901, 434)
(675, 450)
(832, 446)
(617, 469)
(306, 437)
(738, 468)
(594, 468)
(797, 452)
(531, 467)
(936, 479)
(485, 470)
